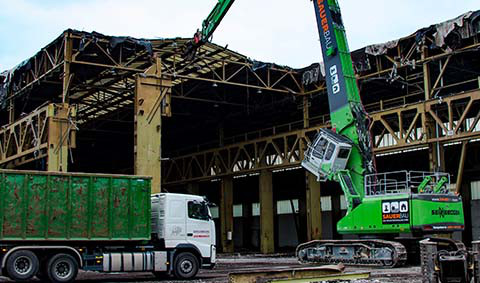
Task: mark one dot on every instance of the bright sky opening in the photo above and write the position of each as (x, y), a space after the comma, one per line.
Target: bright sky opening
(280, 31)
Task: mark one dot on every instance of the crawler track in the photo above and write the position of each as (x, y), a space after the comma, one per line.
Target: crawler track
(379, 253)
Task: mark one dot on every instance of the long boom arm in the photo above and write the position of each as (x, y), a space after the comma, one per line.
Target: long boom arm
(209, 26)
(344, 155)
(349, 141)
(213, 20)
(353, 160)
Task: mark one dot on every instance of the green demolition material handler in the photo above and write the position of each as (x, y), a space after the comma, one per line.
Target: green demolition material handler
(381, 206)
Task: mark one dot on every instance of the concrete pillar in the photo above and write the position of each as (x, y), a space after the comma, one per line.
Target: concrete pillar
(313, 205)
(59, 139)
(226, 214)
(267, 235)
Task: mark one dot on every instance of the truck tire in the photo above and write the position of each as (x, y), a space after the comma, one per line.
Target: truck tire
(186, 266)
(22, 265)
(62, 268)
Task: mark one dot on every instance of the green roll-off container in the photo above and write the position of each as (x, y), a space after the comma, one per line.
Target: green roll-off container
(73, 206)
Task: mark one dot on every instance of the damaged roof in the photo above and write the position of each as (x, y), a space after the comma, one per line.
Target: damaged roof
(446, 35)
(136, 55)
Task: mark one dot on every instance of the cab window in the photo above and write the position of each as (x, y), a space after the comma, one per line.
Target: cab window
(198, 210)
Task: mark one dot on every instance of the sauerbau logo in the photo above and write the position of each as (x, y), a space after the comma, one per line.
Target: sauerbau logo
(328, 44)
(442, 212)
(395, 211)
(327, 35)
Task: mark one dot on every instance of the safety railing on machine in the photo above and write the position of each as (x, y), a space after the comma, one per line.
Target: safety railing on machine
(399, 182)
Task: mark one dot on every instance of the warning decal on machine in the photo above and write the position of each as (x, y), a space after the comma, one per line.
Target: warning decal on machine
(395, 211)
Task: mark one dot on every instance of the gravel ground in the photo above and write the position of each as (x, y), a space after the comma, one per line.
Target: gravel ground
(227, 264)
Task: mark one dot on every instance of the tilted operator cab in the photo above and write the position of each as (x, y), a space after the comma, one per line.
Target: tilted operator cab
(327, 155)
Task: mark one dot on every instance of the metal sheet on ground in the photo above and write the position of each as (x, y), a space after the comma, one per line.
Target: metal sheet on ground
(269, 274)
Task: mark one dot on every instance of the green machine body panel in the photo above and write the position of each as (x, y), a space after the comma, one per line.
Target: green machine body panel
(405, 213)
(69, 206)
(432, 213)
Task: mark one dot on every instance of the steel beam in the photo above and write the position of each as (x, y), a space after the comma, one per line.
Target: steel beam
(286, 273)
(267, 234)
(152, 94)
(461, 167)
(393, 130)
(60, 126)
(314, 211)
(67, 75)
(47, 132)
(226, 214)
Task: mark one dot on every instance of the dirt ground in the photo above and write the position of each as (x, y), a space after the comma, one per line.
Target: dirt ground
(227, 264)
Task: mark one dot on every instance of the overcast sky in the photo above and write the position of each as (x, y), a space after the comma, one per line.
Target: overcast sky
(280, 31)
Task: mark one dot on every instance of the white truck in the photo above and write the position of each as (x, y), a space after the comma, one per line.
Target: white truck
(184, 225)
(54, 224)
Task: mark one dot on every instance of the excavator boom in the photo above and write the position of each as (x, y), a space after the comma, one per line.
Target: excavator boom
(209, 26)
(385, 204)
(213, 20)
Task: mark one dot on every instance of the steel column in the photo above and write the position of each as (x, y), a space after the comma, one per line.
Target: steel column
(314, 212)
(226, 214)
(59, 133)
(151, 90)
(267, 235)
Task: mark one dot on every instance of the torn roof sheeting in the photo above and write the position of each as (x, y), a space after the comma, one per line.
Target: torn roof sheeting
(3, 87)
(9, 79)
(447, 34)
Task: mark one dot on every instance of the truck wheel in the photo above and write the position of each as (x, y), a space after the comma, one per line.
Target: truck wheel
(62, 268)
(186, 266)
(22, 265)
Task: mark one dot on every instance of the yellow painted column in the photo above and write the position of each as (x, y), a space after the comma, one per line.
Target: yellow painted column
(314, 211)
(60, 127)
(267, 234)
(226, 214)
(152, 96)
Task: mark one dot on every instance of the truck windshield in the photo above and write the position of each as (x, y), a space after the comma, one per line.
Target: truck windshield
(198, 210)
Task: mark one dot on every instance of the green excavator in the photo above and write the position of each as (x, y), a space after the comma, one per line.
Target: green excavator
(380, 206)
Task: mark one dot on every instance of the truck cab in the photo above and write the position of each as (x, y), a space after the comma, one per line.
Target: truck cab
(184, 223)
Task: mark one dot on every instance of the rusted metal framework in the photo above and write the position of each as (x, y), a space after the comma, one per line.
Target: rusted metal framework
(25, 139)
(246, 116)
(419, 96)
(96, 74)
(94, 103)
(402, 128)
(274, 152)
(47, 131)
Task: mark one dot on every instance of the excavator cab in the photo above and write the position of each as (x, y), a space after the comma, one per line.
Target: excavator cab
(328, 154)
